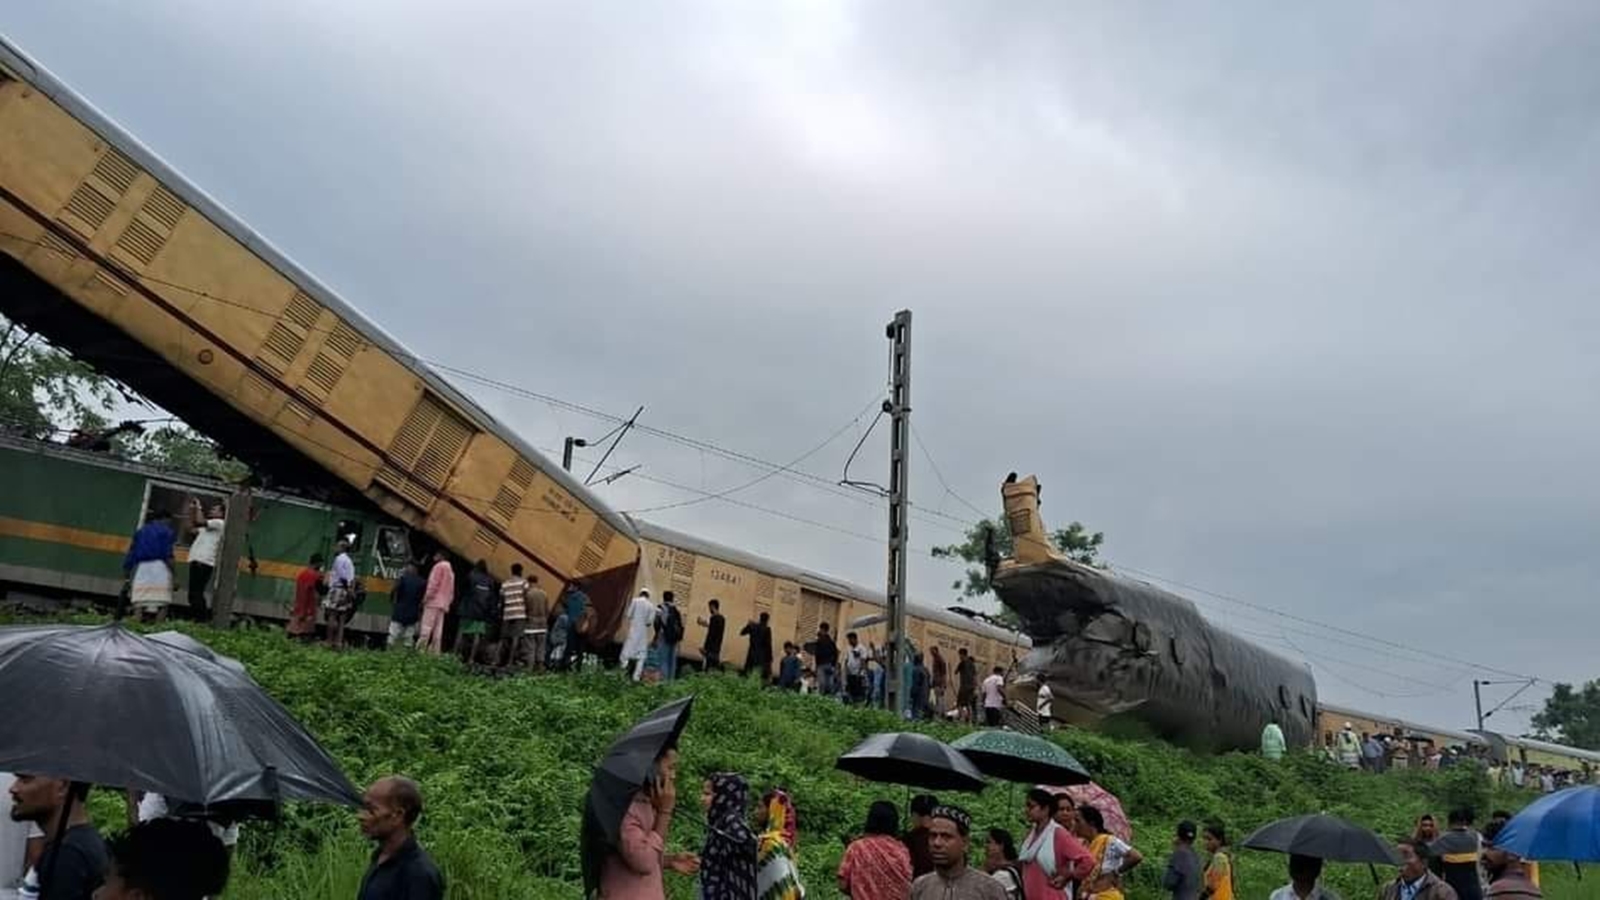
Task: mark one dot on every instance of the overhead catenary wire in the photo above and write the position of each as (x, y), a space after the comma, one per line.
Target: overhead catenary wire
(923, 514)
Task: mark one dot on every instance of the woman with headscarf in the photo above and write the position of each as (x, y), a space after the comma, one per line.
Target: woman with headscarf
(728, 859)
(877, 865)
(777, 874)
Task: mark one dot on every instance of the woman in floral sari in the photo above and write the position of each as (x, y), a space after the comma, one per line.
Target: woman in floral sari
(777, 875)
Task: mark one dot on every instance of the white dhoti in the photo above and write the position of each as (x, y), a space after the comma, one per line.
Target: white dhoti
(152, 586)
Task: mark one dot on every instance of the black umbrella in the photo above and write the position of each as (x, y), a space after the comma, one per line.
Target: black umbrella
(619, 776)
(181, 641)
(911, 759)
(104, 705)
(1324, 837)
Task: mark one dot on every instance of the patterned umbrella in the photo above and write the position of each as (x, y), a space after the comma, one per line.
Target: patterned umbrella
(1094, 795)
(1013, 756)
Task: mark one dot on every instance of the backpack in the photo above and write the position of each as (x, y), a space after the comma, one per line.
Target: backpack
(1016, 878)
(671, 625)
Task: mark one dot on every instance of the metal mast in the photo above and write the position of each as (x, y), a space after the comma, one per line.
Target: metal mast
(899, 408)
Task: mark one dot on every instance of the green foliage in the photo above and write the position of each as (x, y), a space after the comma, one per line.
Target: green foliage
(1571, 716)
(181, 450)
(504, 765)
(1075, 541)
(43, 387)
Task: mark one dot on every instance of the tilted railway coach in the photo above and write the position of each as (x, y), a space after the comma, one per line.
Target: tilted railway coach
(112, 255)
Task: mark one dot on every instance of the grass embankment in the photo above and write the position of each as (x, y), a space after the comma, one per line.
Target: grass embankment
(504, 766)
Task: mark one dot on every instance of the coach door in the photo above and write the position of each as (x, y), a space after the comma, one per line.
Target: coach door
(815, 609)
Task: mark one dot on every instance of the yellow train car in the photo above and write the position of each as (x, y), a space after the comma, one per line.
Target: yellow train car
(797, 601)
(112, 255)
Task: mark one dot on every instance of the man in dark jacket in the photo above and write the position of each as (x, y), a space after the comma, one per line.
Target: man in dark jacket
(758, 657)
(826, 656)
(479, 608)
(400, 869)
(407, 601)
(1457, 852)
(1183, 866)
(715, 625)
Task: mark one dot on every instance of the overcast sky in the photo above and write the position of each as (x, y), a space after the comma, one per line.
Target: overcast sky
(1297, 305)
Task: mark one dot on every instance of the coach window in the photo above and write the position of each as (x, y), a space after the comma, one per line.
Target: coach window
(178, 502)
(1176, 648)
(1283, 696)
(1305, 706)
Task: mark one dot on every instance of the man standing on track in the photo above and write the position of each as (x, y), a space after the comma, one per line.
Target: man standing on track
(669, 634)
(407, 599)
(203, 555)
(855, 669)
(340, 599)
(436, 604)
(538, 623)
(308, 587)
(827, 660)
(758, 657)
(966, 684)
(149, 566)
(636, 647)
(715, 626)
(513, 615)
(994, 697)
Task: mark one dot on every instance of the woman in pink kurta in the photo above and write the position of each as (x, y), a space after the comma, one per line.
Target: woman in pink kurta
(632, 870)
(1051, 857)
(441, 593)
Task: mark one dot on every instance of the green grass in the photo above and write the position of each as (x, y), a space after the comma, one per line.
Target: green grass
(504, 763)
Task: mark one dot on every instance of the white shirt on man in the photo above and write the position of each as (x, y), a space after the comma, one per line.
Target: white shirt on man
(641, 614)
(203, 549)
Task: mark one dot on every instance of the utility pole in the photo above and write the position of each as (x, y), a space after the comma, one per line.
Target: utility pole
(235, 522)
(898, 406)
(1477, 696)
(1477, 701)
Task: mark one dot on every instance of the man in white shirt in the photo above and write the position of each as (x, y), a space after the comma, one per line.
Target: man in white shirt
(994, 697)
(1045, 705)
(203, 555)
(641, 615)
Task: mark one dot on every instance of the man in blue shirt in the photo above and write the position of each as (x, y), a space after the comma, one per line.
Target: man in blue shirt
(148, 565)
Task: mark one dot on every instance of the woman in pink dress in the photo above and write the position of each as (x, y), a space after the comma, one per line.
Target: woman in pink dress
(632, 870)
(1051, 858)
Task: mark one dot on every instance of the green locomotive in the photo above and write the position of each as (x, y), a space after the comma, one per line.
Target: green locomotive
(66, 517)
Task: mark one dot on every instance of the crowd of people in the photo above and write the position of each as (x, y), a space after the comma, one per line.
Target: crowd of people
(51, 850)
(1380, 752)
(1065, 852)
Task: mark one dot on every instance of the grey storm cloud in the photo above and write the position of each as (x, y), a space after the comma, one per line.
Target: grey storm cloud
(1295, 304)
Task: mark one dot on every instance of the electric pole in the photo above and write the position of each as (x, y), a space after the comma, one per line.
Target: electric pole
(235, 523)
(898, 406)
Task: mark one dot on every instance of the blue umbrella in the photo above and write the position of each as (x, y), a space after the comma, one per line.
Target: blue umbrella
(1564, 825)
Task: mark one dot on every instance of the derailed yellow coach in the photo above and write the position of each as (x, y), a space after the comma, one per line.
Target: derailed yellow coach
(111, 254)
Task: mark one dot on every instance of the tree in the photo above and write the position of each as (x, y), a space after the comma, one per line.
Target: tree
(44, 390)
(1074, 540)
(46, 393)
(1571, 716)
(176, 447)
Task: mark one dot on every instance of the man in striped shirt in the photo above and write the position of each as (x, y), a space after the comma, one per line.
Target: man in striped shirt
(513, 613)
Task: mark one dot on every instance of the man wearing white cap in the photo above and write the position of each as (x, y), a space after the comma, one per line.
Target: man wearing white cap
(641, 613)
(1348, 747)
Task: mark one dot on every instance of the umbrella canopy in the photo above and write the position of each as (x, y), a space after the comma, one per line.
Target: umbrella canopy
(104, 705)
(619, 775)
(1324, 837)
(1560, 826)
(181, 641)
(1092, 794)
(911, 759)
(1013, 756)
